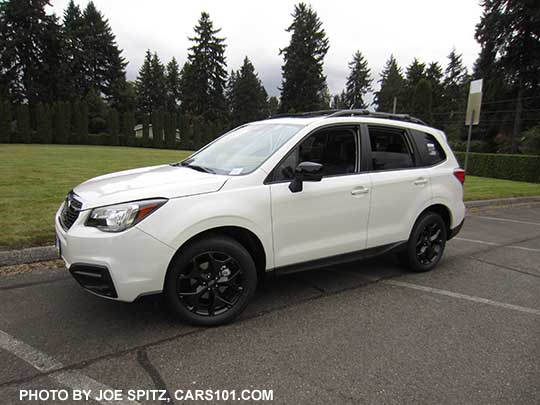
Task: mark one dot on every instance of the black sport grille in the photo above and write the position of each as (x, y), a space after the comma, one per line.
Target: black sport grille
(70, 212)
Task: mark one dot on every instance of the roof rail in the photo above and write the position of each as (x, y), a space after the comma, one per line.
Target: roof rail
(305, 114)
(367, 113)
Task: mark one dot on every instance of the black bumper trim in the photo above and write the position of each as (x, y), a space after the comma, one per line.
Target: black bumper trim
(455, 231)
(94, 278)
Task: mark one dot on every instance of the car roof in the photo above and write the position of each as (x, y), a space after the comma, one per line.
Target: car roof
(323, 119)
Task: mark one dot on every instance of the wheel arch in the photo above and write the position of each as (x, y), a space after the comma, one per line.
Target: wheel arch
(247, 238)
(441, 210)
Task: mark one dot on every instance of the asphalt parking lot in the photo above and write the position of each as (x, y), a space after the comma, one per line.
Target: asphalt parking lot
(365, 332)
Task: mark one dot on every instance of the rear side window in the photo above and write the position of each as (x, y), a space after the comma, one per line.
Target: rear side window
(430, 149)
(390, 149)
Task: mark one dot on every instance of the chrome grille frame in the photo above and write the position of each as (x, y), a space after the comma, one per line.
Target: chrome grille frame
(70, 211)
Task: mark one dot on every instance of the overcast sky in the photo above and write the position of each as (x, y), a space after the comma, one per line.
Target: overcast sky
(427, 29)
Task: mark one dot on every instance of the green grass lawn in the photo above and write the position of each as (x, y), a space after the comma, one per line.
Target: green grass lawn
(35, 179)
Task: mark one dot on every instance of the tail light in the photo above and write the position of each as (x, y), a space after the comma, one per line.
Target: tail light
(460, 175)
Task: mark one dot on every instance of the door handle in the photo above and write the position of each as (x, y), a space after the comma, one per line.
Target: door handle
(420, 181)
(360, 190)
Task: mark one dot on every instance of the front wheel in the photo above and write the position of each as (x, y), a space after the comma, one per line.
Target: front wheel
(426, 243)
(211, 281)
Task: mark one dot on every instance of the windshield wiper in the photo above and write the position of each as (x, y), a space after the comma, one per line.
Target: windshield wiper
(198, 168)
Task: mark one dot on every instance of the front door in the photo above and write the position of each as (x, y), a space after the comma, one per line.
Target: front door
(326, 218)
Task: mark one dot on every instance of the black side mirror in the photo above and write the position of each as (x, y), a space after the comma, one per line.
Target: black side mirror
(306, 171)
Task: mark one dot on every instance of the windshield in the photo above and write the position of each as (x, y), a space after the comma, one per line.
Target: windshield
(242, 150)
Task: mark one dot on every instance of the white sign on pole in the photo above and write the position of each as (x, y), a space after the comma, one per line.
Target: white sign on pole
(474, 103)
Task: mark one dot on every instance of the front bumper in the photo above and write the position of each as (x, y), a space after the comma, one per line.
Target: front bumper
(120, 266)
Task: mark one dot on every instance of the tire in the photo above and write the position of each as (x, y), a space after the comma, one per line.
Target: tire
(210, 281)
(426, 243)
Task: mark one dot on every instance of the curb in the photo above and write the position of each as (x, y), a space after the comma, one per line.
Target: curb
(28, 255)
(43, 253)
(501, 201)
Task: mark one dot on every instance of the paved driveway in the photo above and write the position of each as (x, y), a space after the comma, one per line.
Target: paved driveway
(364, 332)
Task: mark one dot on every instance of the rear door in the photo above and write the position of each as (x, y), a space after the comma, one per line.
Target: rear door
(400, 187)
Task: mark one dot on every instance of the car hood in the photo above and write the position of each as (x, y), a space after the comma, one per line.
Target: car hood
(148, 182)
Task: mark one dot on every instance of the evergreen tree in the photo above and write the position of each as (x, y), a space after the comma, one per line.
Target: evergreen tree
(128, 130)
(97, 112)
(434, 74)
(24, 130)
(509, 63)
(358, 82)
(146, 131)
(173, 84)
(392, 86)
(247, 97)
(151, 84)
(304, 83)
(157, 128)
(143, 85)
(339, 101)
(113, 126)
(29, 44)
(74, 32)
(414, 73)
(43, 123)
(422, 102)
(104, 66)
(455, 95)
(82, 129)
(5, 121)
(273, 106)
(204, 76)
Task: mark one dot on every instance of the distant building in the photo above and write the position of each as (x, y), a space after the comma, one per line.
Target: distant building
(139, 132)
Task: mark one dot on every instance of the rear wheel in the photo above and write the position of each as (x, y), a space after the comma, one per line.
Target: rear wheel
(211, 281)
(426, 243)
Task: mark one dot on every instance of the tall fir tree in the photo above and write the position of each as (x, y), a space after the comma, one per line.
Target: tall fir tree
(273, 106)
(415, 72)
(392, 87)
(74, 31)
(113, 126)
(247, 97)
(509, 63)
(434, 75)
(143, 86)
(204, 76)
(29, 46)
(422, 101)
(172, 76)
(358, 82)
(304, 83)
(104, 66)
(455, 96)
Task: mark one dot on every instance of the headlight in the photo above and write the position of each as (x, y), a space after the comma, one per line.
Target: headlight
(118, 218)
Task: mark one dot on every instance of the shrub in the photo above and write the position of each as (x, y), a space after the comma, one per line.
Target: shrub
(502, 166)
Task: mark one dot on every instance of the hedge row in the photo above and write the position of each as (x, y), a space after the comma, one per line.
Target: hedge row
(501, 166)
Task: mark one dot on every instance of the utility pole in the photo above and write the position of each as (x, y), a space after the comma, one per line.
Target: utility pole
(395, 105)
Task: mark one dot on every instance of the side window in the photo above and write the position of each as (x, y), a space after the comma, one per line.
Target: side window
(431, 150)
(335, 149)
(390, 149)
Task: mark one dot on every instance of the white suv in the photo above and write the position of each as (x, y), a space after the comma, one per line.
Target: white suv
(278, 195)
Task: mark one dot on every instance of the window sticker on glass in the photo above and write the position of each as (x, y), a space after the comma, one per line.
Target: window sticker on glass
(432, 151)
(236, 171)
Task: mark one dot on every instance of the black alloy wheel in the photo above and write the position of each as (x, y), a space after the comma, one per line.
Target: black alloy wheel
(210, 281)
(426, 243)
(429, 244)
(211, 284)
